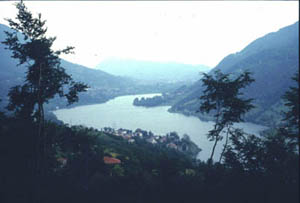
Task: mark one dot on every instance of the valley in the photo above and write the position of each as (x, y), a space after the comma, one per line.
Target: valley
(272, 59)
(149, 102)
(121, 113)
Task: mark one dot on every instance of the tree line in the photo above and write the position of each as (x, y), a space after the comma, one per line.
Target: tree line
(251, 168)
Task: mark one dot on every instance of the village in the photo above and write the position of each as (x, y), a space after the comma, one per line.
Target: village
(170, 140)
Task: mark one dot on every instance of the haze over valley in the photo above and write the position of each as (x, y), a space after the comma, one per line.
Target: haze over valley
(180, 84)
(151, 71)
(156, 102)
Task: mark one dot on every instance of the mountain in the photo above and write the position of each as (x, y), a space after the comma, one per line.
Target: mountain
(273, 59)
(153, 71)
(104, 86)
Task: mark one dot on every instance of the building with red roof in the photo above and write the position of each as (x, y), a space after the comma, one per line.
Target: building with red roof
(110, 160)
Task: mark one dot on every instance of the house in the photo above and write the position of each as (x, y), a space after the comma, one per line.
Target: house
(183, 147)
(172, 145)
(131, 140)
(143, 132)
(138, 134)
(126, 137)
(110, 160)
(62, 161)
(151, 140)
(163, 139)
(109, 130)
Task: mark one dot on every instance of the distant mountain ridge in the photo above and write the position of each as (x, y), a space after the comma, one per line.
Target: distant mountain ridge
(104, 86)
(153, 71)
(284, 38)
(273, 59)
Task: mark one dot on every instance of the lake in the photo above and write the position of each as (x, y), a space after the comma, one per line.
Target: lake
(121, 113)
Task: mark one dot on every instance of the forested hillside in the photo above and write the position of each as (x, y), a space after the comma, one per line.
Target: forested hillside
(103, 86)
(46, 162)
(273, 59)
(76, 169)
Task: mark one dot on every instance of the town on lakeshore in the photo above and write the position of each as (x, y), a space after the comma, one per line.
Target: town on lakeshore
(170, 140)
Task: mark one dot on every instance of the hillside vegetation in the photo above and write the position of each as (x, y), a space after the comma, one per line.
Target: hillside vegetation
(273, 59)
(46, 162)
(256, 170)
(103, 86)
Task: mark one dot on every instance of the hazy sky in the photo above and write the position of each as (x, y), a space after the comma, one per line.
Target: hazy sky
(196, 32)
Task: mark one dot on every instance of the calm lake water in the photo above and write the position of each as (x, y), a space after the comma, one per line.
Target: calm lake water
(120, 113)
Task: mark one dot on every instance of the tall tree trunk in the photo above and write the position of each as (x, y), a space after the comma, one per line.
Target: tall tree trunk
(213, 150)
(225, 145)
(217, 134)
(40, 117)
(40, 141)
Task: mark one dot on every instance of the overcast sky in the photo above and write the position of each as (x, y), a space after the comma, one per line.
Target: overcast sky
(193, 32)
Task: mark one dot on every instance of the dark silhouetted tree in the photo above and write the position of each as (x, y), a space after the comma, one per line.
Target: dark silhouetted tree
(222, 96)
(45, 77)
(291, 117)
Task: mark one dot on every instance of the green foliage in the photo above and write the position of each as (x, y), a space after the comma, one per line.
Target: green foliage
(22, 101)
(149, 102)
(223, 97)
(104, 86)
(256, 169)
(222, 94)
(44, 77)
(118, 170)
(291, 99)
(270, 160)
(273, 59)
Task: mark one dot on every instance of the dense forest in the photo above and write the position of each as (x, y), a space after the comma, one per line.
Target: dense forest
(273, 59)
(44, 161)
(255, 169)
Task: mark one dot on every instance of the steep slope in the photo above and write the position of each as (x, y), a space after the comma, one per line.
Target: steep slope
(103, 85)
(153, 71)
(272, 59)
